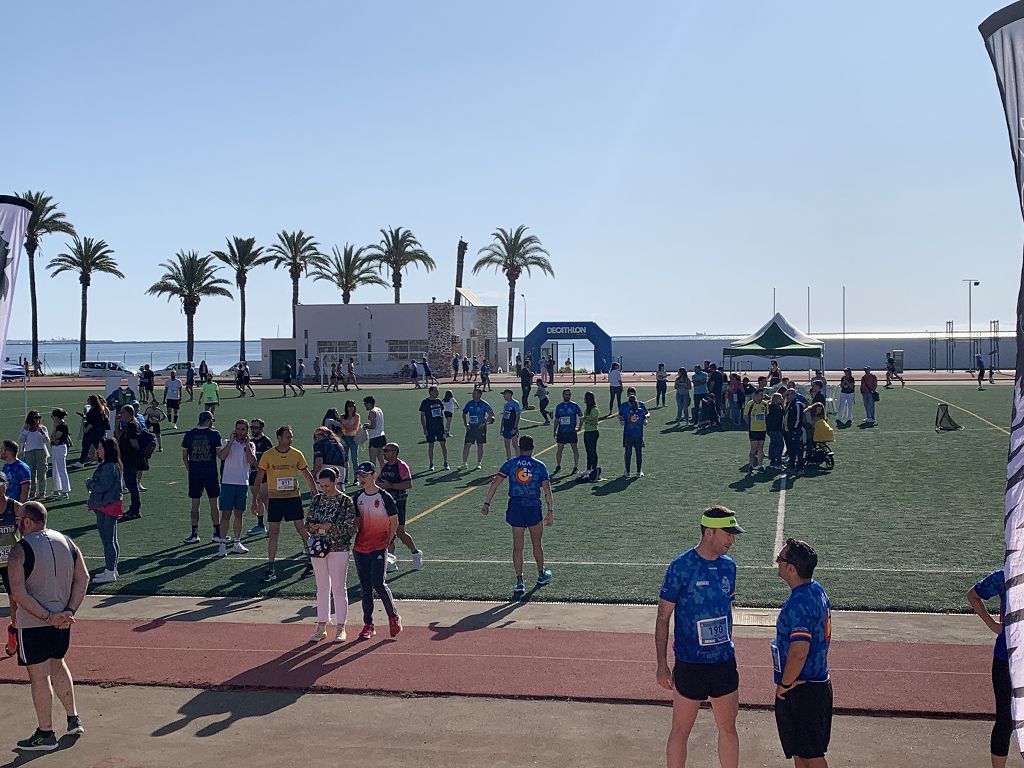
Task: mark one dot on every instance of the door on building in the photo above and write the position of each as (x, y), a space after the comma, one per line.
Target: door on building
(278, 358)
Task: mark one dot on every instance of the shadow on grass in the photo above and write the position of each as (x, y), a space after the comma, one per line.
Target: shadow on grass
(747, 482)
(290, 675)
(616, 485)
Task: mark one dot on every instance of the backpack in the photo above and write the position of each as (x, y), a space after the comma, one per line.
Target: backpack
(147, 443)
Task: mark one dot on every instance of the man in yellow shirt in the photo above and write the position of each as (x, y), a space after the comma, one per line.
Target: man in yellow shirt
(755, 415)
(280, 467)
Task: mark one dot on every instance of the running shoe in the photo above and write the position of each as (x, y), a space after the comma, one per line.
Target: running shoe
(639, 474)
(340, 636)
(218, 539)
(519, 589)
(40, 741)
(597, 476)
(574, 470)
(391, 558)
(558, 468)
(256, 530)
(417, 560)
(222, 550)
(430, 468)
(270, 575)
(239, 548)
(192, 538)
(368, 632)
(75, 465)
(463, 467)
(105, 577)
(11, 647)
(391, 567)
(395, 625)
(446, 467)
(544, 577)
(320, 633)
(75, 727)
(479, 466)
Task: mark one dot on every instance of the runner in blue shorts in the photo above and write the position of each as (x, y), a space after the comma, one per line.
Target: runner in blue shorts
(527, 477)
(698, 590)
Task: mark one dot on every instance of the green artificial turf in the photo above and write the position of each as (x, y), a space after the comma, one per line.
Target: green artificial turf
(908, 520)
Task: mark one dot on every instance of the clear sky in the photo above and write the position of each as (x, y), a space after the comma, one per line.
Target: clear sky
(678, 159)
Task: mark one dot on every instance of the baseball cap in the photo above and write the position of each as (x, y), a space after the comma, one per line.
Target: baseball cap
(727, 523)
(366, 468)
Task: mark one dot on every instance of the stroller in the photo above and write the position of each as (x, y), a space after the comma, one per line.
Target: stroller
(821, 454)
(709, 416)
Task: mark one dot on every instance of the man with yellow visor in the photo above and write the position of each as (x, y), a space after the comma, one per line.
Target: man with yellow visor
(699, 588)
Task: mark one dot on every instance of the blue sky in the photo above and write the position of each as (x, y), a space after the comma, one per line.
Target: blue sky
(678, 159)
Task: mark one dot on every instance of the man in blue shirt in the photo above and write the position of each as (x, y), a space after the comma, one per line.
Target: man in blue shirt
(989, 587)
(527, 478)
(17, 481)
(699, 379)
(476, 415)
(803, 630)
(511, 412)
(633, 416)
(568, 423)
(199, 455)
(698, 591)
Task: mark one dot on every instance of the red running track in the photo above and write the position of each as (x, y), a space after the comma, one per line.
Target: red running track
(868, 677)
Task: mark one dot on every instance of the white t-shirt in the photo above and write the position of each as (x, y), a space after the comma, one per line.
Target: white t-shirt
(172, 389)
(615, 378)
(379, 430)
(236, 468)
(450, 405)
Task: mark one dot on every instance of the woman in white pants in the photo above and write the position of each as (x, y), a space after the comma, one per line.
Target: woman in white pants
(60, 444)
(332, 519)
(847, 390)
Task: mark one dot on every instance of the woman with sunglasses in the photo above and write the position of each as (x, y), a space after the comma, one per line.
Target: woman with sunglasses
(34, 441)
(332, 515)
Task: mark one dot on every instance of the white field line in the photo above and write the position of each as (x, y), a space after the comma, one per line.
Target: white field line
(569, 563)
(780, 523)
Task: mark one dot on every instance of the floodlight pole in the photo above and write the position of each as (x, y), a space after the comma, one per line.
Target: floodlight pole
(971, 283)
(523, 297)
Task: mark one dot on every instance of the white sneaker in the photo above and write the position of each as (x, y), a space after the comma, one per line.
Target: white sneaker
(417, 560)
(639, 474)
(391, 558)
(391, 568)
(239, 548)
(220, 539)
(430, 468)
(104, 578)
(75, 465)
(222, 550)
(192, 538)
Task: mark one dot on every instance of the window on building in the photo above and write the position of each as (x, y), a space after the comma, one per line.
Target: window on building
(334, 351)
(404, 349)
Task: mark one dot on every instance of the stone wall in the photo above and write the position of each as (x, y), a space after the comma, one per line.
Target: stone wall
(440, 327)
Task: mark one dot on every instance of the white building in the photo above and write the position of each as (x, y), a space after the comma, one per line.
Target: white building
(383, 338)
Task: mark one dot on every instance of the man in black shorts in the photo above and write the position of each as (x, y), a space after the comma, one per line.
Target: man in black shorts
(432, 423)
(48, 581)
(803, 630)
(199, 455)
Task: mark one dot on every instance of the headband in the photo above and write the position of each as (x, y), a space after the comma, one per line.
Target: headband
(719, 522)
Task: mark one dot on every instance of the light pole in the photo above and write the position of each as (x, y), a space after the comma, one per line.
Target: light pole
(523, 297)
(971, 284)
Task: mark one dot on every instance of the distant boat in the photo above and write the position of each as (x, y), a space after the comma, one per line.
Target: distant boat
(13, 372)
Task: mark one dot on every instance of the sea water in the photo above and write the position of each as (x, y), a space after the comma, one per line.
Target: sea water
(62, 357)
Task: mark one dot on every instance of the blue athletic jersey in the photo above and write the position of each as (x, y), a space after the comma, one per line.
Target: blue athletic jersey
(567, 416)
(509, 411)
(703, 591)
(634, 420)
(525, 476)
(476, 412)
(806, 616)
(485, 368)
(987, 588)
(17, 472)
(700, 383)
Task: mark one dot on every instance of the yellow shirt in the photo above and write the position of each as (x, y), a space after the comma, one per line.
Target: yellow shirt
(756, 415)
(283, 472)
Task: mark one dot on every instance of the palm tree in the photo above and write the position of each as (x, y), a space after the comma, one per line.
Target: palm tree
(300, 253)
(86, 257)
(349, 270)
(242, 255)
(189, 278)
(514, 253)
(45, 220)
(397, 251)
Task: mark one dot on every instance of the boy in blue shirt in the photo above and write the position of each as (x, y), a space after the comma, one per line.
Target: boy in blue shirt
(527, 479)
(989, 587)
(699, 379)
(476, 415)
(633, 416)
(803, 631)
(511, 412)
(568, 423)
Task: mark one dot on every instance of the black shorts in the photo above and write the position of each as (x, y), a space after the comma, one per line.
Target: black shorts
(757, 436)
(378, 442)
(279, 510)
(39, 644)
(154, 428)
(209, 485)
(287, 380)
(566, 438)
(435, 434)
(804, 720)
(400, 503)
(698, 682)
(477, 433)
(173, 405)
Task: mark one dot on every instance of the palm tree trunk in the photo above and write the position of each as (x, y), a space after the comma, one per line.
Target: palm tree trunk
(241, 342)
(81, 331)
(295, 301)
(396, 280)
(346, 297)
(35, 309)
(511, 307)
(190, 334)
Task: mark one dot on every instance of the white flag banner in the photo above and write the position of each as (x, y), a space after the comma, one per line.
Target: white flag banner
(1003, 33)
(14, 216)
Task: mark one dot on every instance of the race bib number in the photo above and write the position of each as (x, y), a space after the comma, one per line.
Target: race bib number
(713, 631)
(565, 421)
(758, 417)
(776, 657)
(474, 420)
(435, 412)
(286, 484)
(5, 553)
